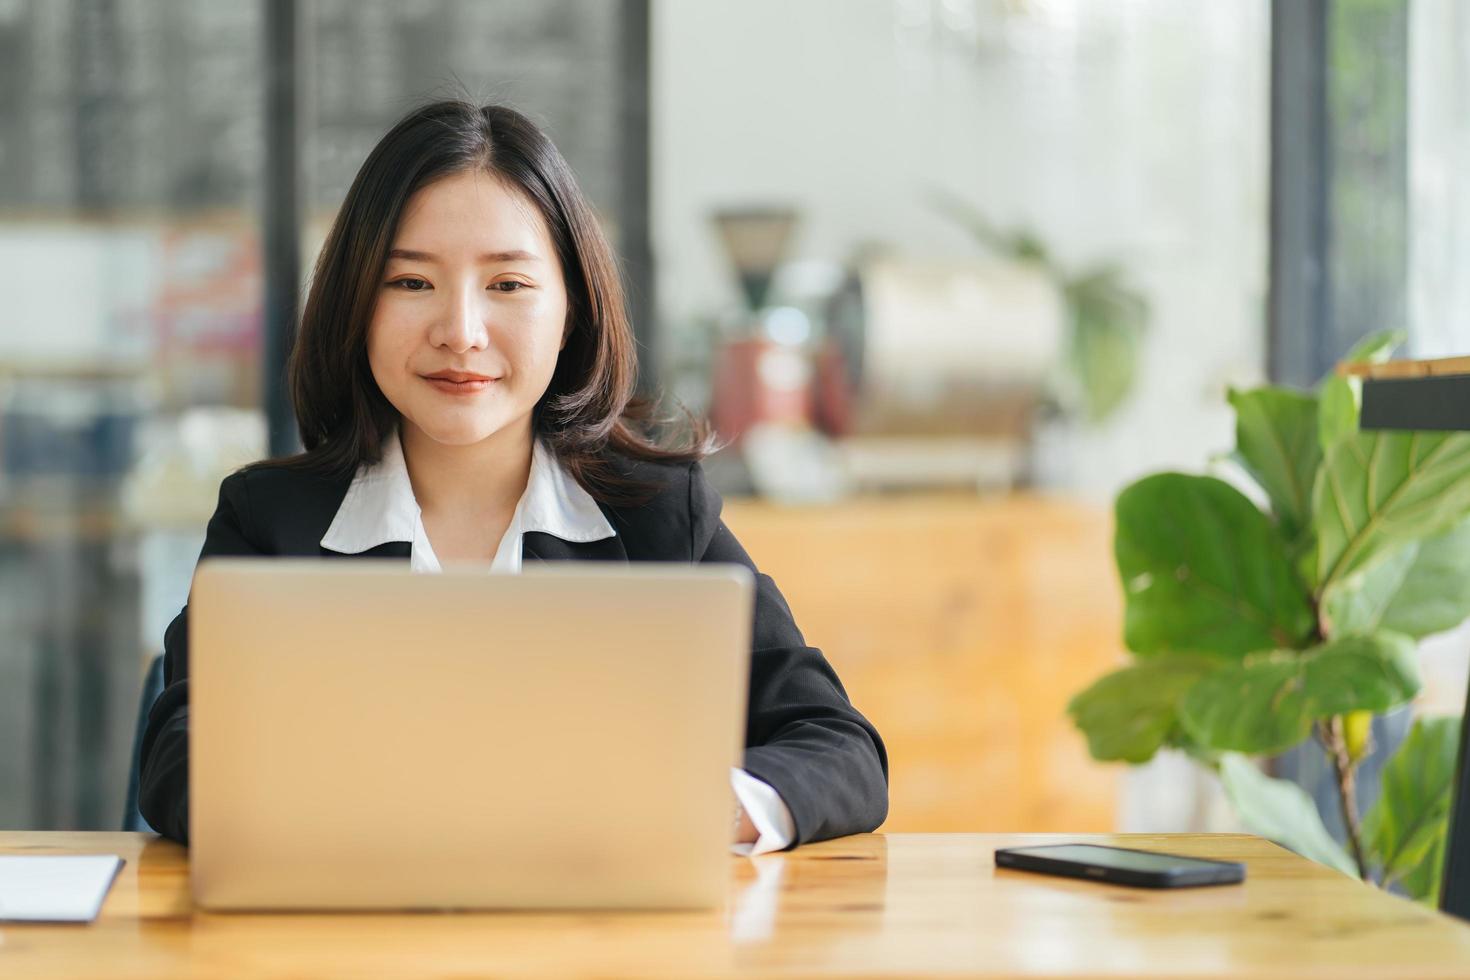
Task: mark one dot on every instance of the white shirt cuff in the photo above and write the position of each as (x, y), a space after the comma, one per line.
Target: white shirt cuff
(767, 811)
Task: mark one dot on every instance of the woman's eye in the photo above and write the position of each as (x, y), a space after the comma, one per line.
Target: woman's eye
(411, 284)
(513, 284)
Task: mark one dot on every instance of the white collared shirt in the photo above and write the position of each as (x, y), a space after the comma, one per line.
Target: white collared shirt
(380, 507)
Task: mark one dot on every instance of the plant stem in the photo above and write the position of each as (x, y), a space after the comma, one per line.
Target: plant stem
(1335, 742)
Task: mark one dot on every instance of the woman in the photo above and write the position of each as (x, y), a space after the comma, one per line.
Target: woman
(463, 382)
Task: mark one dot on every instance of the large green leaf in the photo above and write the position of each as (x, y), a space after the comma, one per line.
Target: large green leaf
(1410, 817)
(1276, 442)
(1128, 714)
(1425, 879)
(1341, 402)
(1341, 396)
(1356, 604)
(1268, 702)
(1418, 589)
(1280, 811)
(1435, 596)
(1375, 348)
(1377, 491)
(1204, 571)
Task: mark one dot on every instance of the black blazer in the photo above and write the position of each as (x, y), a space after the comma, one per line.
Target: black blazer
(802, 735)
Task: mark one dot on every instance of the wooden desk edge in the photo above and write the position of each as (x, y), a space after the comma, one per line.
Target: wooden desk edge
(1430, 368)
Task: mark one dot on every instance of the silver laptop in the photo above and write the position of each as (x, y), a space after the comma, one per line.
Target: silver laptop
(366, 738)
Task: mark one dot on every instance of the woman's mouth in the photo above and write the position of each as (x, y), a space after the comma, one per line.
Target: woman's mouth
(459, 382)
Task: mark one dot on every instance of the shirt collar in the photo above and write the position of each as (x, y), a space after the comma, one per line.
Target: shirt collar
(380, 506)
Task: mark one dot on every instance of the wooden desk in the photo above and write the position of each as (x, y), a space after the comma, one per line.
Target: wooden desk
(891, 905)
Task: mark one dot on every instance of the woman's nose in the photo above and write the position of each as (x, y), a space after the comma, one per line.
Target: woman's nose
(462, 327)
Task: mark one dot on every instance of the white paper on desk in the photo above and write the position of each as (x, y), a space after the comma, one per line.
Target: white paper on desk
(59, 888)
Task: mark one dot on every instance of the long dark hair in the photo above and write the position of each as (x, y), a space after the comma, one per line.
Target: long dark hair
(589, 414)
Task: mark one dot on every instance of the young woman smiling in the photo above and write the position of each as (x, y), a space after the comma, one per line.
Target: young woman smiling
(463, 382)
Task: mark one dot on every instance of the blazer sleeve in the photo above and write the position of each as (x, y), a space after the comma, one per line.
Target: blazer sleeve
(802, 734)
(163, 776)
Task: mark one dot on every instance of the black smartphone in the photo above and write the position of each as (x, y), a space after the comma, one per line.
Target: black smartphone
(1120, 865)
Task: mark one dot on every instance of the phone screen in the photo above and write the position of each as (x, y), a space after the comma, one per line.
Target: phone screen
(1114, 857)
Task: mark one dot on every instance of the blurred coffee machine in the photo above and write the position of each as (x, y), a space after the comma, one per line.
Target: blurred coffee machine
(951, 361)
(914, 374)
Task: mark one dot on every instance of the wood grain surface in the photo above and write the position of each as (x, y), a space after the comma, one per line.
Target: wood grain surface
(872, 905)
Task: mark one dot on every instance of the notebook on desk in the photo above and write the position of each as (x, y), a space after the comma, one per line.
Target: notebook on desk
(55, 888)
(366, 738)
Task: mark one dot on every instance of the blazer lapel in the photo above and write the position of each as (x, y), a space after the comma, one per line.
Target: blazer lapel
(540, 546)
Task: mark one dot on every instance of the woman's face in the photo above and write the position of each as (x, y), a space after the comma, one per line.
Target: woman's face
(471, 313)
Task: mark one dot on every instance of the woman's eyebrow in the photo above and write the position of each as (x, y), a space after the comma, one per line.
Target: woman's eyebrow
(513, 255)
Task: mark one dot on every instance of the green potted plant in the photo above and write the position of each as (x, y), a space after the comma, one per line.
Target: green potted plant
(1253, 629)
(1106, 315)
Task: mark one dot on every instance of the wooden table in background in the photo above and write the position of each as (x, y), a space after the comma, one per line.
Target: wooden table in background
(961, 625)
(872, 905)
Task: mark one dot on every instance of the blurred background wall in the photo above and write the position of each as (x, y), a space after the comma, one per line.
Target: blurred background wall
(945, 273)
(1124, 132)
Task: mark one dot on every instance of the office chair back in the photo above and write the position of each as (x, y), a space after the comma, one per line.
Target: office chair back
(152, 688)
